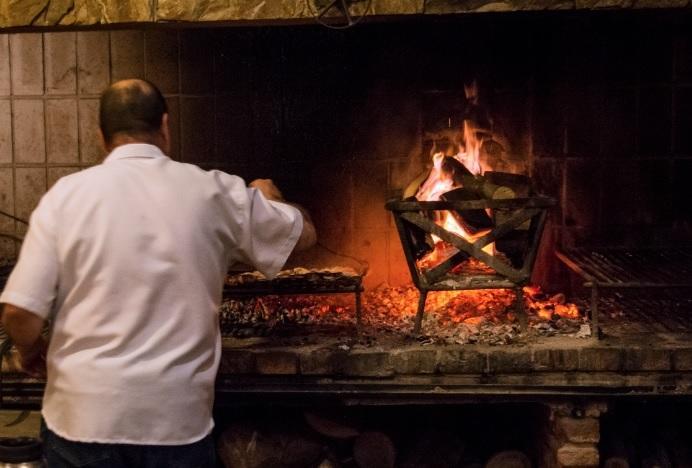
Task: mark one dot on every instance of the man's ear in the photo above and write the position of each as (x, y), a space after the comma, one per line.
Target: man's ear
(166, 134)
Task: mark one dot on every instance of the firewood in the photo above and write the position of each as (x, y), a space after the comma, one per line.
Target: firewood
(509, 459)
(616, 462)
(374, 450)
(479, 185)
(243, 446)
(433, 448)
(328, 427)
(471, 220)
(615, 450)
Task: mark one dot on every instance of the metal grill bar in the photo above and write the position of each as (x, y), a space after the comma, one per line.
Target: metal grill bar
(635, 269)
(641, 315)
(627, 268)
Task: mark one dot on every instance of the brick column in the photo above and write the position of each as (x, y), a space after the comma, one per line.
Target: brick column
(573, 434)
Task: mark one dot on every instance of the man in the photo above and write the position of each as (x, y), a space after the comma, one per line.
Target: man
(128, 260)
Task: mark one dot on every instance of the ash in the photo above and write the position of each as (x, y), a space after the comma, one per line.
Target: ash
(459, 317)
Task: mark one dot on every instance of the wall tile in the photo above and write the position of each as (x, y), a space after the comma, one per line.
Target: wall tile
(197, 129)
(196, 61)
(654, 121)
(370, 246)
(93, 59)
(26, 63)
(8, 247)
(62, 131)
(162, 60)
(370, 182)
(90, 150)
(29, 132)
(127, 54)
(30, 186)
(6, 199)
(398, 272)
(61, 62)
(234, 127)
(683, 121)
(4, 64)
(5, 131)
(55, 173)
(173, 104)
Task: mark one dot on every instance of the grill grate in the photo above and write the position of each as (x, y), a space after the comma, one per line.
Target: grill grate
(640, 272)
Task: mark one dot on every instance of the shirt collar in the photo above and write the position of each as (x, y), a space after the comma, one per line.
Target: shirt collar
(135, 151)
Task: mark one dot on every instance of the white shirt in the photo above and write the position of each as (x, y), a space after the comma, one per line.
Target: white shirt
(131, 256)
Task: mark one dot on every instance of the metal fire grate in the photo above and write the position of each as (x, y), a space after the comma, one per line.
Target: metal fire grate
(308, 282)
(518, 223)
(632, 269)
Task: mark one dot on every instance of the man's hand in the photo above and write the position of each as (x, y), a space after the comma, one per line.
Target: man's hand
(268, 189)
(32, 361)
(24, 329)
(308, 236)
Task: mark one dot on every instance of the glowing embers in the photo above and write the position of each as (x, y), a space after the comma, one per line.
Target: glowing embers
(454, 317)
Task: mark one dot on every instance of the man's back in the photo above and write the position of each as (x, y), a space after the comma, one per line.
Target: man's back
(141, 246)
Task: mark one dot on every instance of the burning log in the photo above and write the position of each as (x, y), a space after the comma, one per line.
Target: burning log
(476, 184)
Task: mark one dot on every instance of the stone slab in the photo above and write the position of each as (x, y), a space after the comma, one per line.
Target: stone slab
(20, 13)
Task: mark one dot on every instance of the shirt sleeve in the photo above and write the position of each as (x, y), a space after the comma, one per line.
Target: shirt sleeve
(34, 280)
(264, 232)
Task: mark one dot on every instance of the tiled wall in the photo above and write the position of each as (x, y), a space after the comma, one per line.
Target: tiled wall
(293, 106)
(49, 89)
(596, 105)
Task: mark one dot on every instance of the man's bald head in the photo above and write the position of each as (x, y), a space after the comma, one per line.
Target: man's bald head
(132, 110)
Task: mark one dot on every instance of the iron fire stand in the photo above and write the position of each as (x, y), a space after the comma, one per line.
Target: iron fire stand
(519, 222)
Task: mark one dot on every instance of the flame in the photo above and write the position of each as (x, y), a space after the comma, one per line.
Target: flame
(440, 181)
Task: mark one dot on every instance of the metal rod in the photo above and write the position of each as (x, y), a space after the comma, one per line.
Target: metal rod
(421, 310)
(358, 309)
(594, 311)
(520, 309)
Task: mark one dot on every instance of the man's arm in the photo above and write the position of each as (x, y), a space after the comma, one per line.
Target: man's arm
(308, 237)
(24, 329)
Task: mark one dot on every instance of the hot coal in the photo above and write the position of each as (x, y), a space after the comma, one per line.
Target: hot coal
(477, 316)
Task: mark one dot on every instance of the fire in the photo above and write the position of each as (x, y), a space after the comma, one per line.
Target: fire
(445, 177)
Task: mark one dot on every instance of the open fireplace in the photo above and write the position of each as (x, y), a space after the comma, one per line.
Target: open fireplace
(562, 142)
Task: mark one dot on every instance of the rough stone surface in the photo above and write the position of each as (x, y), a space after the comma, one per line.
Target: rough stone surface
(60, 62)
(368, 363)
(556, 359)
(4, 65)
(645, 359)
(600, 359)
(6, 198)
(236, 361)
(462, 360)
(682, 360)
(276, 363)
(579, 430)
(322, 361)
(26, 57)
(28, 129)
(16, 13)
(415, 361)
(577, 455)
(5, 131)
(510, 361)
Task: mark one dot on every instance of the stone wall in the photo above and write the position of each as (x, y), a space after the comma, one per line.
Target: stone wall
(22, 13)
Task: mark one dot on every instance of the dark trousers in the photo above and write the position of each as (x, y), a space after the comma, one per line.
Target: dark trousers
(62, 453)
